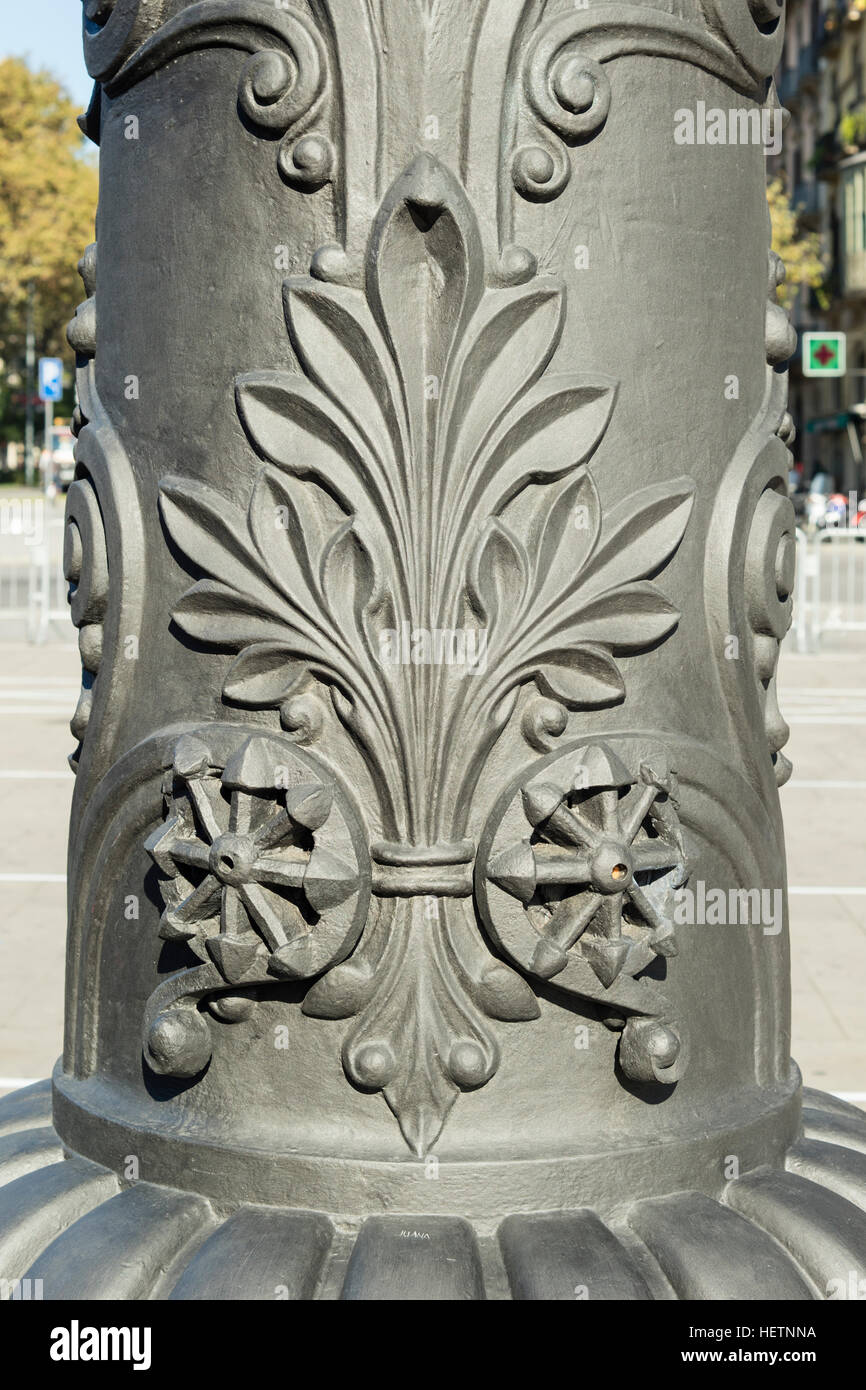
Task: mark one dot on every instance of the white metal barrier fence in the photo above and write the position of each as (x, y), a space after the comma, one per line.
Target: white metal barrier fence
(831, 585)
(33, 589)
(830, 593)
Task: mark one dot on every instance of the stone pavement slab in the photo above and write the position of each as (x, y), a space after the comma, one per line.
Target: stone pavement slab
(823, 698)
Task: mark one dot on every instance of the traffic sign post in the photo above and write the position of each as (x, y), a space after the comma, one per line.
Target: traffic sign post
(50, 379)
(824, 354)
(50, 390)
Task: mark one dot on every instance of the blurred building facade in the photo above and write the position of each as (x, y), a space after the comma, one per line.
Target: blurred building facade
(822, 84)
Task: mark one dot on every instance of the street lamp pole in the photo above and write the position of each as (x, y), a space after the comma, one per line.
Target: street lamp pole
(407, 973)
(29, 384)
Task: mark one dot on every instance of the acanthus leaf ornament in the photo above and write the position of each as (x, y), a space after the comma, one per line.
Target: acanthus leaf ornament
(424, 473)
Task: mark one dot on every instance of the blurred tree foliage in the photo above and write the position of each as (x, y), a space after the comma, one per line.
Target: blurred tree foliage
(800, 250)
(48, 190)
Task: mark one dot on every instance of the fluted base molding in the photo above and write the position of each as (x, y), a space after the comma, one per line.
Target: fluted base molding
(796, 1232)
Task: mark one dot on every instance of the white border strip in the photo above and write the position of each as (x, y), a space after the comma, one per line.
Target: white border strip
(29, 775)
(36, 710)
(836, 721)
(813, 784)
(32, 878)
(818, 890)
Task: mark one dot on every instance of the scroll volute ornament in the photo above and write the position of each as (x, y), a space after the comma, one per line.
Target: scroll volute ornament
(771, 558)
(115, 29)
(771, 550)
(566, 84)
(283, 84)
(85, 566)
(755, 30)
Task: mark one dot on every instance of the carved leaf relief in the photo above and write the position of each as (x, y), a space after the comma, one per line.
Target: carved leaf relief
(424, 470)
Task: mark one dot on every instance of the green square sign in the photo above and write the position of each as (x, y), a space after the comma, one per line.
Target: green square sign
(824, 354)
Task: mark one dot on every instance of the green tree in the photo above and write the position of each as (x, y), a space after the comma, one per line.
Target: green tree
(800, 250)
(48, 191)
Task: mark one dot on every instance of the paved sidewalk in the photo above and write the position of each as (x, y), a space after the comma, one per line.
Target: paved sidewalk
(38, 691)
(823, 697)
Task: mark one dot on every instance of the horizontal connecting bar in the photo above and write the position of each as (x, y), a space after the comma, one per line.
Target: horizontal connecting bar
(442, 881)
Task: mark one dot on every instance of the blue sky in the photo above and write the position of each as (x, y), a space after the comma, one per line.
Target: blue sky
(48, 34)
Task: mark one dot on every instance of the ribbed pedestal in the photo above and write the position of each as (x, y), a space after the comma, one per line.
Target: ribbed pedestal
(796, 1232)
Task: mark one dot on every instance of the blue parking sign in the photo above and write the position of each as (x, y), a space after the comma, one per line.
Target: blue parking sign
(50, 378)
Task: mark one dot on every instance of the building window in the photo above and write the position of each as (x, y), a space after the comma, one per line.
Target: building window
(854, 229)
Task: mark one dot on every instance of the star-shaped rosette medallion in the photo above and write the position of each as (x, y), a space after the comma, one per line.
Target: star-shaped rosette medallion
(583, 866)
(261, 872)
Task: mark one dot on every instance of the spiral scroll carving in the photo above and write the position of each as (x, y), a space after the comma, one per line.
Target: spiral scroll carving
(281, 87)
(754, 29)
(85, 565)
(114, 29)
(567, 90)
(769, 581)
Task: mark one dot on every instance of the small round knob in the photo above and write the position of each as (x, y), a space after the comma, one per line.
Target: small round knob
(573, 87)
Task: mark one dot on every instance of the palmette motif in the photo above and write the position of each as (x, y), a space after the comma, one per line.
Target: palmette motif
(423, 472)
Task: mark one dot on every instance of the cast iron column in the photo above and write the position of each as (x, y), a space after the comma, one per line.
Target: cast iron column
(431, 551)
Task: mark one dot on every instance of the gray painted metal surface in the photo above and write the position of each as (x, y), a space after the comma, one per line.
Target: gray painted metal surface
(430, 551)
